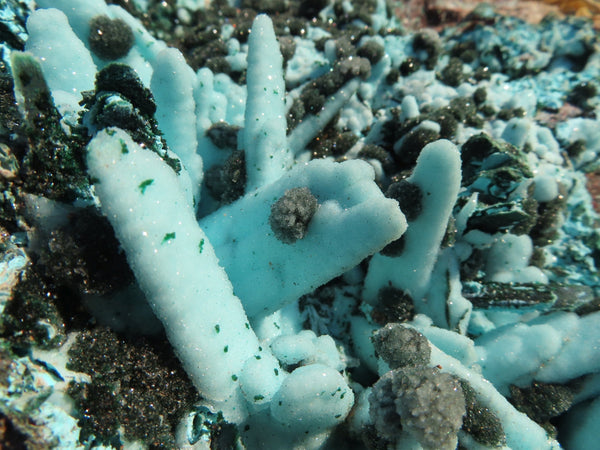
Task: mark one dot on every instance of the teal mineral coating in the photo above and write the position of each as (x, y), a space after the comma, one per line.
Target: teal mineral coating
(276, 337)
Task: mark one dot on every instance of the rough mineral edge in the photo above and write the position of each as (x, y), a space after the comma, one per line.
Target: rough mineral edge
(32, 389)
(554, 348)
(438, 175)
(372, 87)
(210, 105)
(311, 401)
(445, 303)
(66, 63)
(193, 5)
(13, 261)
(264, 140)
(78, 12)
(354, 220)
(218, 99)
(453, 344)
(142, 57)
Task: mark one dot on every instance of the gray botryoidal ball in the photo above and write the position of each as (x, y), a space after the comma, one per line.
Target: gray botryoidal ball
(401, 346)
(291, 214)
(423, 401)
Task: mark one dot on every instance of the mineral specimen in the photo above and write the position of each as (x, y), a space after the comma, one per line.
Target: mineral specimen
(306, 229)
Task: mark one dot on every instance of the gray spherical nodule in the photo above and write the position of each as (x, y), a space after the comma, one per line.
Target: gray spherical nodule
(291, 214)
(110, 39)
(401, 346)
(426, 403)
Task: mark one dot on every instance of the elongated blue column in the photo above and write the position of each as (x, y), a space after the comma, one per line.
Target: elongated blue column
(176, 267)
(264, 136)
(437, 175)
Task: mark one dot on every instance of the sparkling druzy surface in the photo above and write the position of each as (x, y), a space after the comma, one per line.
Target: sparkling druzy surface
(298, 224)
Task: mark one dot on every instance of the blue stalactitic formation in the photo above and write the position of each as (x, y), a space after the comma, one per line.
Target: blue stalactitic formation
(248, 199)
(267, 155)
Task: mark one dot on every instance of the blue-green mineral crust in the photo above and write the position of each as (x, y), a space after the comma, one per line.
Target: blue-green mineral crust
(296, 224)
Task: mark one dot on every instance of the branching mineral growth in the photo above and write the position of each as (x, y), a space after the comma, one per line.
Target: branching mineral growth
(351, 205)
(177, 268)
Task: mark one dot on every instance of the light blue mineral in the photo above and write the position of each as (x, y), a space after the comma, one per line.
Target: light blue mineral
(272, 296)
